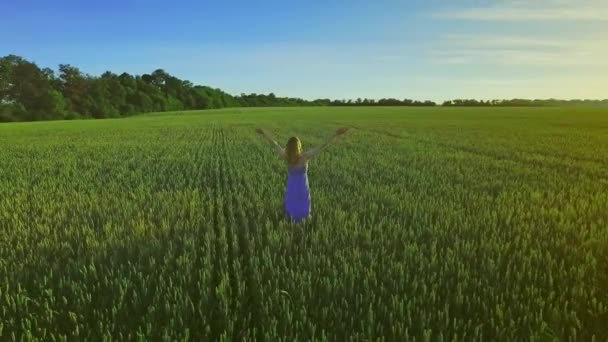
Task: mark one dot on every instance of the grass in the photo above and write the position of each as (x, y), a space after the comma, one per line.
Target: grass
(428, 223)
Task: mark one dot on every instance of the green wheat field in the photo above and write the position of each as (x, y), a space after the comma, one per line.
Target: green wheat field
(438, 224)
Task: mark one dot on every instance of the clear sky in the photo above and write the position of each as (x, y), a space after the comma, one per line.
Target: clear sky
(421, 49)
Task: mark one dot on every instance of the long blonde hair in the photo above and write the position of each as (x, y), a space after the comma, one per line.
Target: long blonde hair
(293, 150)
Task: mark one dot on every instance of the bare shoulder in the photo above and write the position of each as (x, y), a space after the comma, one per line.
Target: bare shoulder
(280, 152)
(311, 153)
(303, 161)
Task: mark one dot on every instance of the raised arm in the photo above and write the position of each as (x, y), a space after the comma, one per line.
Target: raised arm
(280, 152)
(313, 152)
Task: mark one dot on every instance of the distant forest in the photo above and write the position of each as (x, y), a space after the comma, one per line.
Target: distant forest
(29, 93)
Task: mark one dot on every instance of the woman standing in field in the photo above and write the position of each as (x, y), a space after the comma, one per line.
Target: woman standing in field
(297, 192)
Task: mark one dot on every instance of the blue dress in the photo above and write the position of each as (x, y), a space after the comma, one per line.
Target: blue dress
(297, 193)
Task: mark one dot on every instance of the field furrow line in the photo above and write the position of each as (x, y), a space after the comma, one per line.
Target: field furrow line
(219, 286)
(243, 196)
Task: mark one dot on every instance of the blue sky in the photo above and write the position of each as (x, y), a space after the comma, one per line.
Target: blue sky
(435, 49)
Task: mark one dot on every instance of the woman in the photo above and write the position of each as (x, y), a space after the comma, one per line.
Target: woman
(297, 193)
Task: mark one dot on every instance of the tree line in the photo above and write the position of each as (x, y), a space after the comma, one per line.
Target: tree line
(31, 93)
(380, 102)
(525, 103)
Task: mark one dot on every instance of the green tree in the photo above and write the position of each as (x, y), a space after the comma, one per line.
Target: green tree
(26, 91)
(100, 99)
(75, 88)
